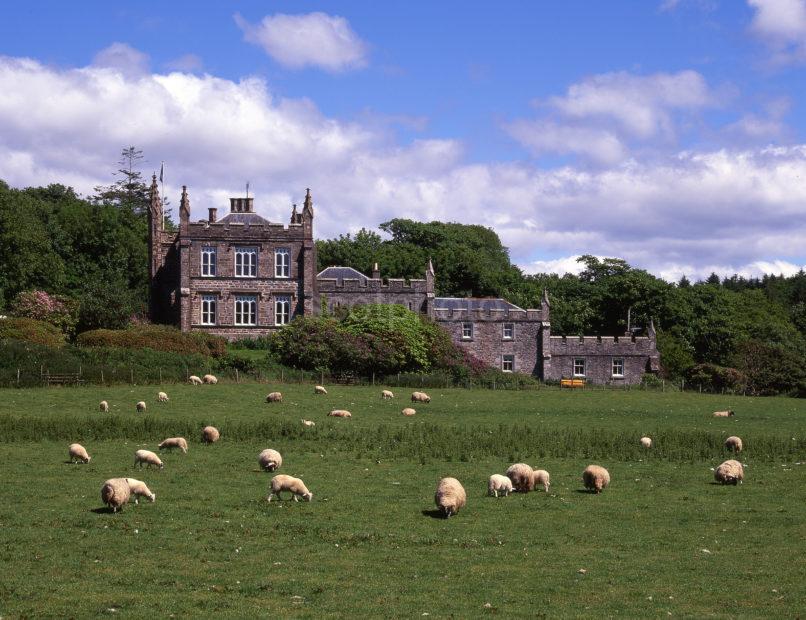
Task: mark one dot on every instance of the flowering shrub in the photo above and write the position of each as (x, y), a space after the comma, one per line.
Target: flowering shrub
(54, 309)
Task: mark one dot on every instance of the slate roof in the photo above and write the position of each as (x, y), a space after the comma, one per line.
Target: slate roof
(243, 218)
(473, 303)
(340, 273)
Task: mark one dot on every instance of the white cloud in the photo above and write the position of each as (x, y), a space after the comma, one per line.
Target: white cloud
(123, 58)
(188, 63)
(781, 24)
(560, 266)
(539, 137)
(314, 39)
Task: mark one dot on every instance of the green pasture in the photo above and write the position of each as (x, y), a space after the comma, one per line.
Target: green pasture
(662, 539)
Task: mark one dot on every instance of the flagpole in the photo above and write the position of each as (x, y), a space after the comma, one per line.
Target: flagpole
(162, 182)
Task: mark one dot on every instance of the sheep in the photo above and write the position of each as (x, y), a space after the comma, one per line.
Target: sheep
(499, 483)
(734, 443)
(723, 414)
(211, 379)
(103, 406)
(729, 472)
(115, 493)
(138, 488)
(274, 397)
(319, 389)
(450, 496)
(387, 394)
(174, 442)
(269, 459)
(77, 453)
(297, 487)
(420, 397)
(141, 406)
(522, 477)
(162, 397)
(646, 442)
(541, 476)
(340, 413)
(210, 434)
(595, 478)
(408, 411)
(194, 380)
(147, 457)
(308, 423)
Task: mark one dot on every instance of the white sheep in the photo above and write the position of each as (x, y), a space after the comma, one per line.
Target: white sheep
(420, 397)
(408, 411)
(269, 459)
(141, 406)
(730, 472)
(450, 496)
(319, 389)
(595, 478)
(308, 423)
(499, 484)
(734, 443)
(210, 434)
(138, 488)
(646, 442)
(162, 397)
(115, 493)
(297, 487)
(174, 442)
(194, 380)
(147, 457)
(541, 476)
(340, 413)
(211, 379)
(103, 406)
(274, 397)
(78, 453)
(387, 394)
(723, 414)
(522, 477)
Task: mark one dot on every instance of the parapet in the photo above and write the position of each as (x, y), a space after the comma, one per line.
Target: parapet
(490, 314)
(602, 345)
(370, 285)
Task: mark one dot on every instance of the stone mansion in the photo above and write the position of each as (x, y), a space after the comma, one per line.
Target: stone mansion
(243, 276)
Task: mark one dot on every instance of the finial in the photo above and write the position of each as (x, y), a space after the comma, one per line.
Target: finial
(546, 297)
(430, 266)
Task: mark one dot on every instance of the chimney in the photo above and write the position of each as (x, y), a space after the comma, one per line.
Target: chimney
(376, 272)
(213, 214)
(241, 205)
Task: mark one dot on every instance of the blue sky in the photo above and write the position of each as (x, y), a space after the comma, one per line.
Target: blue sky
(670, 133)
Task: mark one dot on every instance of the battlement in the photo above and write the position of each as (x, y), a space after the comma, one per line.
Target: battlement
(601, 345)
(490, 314)
(370, 285)
(241, 231)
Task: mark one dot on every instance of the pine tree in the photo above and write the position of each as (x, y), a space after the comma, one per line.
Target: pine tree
(130, 191)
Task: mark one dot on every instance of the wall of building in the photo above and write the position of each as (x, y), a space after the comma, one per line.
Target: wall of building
(640, 356)
(412, 294)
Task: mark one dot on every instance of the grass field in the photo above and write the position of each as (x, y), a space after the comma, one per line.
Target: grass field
(662, 539)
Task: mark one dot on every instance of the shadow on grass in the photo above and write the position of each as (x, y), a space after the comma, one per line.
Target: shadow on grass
(433, 513)
(586, 491)
(106, 510)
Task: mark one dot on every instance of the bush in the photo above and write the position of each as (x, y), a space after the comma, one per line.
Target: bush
(770, 369)
(56, 310)
(713, 378)
(156, 337)
(31, 330)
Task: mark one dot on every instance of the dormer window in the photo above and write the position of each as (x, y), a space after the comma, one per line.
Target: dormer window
(245, 262)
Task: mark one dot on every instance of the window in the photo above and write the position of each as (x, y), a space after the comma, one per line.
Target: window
(467, 331)
(508, 363)
(208, 309)
(245, 262)
(282, 309)
(208, 262)
(282, 263)
(245, 310)
(579, 367)
(618, 366)
(509, 331)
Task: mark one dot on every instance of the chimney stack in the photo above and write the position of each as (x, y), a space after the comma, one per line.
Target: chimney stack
(213, 214)
(376, 272)
(241, 205)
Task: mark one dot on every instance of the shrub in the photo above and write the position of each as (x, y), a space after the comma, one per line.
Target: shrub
(31, 330)
(156, 337)
(715, 378)
(53, 309)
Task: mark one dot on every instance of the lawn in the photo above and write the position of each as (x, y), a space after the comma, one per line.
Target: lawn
(662, 539)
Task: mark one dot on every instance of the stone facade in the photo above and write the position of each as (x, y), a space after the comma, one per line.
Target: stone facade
(345, 287)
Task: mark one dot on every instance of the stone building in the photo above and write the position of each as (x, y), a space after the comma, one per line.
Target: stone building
(243, 276)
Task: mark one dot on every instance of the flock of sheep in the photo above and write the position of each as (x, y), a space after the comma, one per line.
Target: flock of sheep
(450, 495)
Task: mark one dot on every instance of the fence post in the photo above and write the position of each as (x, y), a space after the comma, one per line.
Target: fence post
(237, 378)
(102, 376)
(321, 377)
(160, 375)
(282, 375)
(398, 378)
(132, 374)
(18, 376)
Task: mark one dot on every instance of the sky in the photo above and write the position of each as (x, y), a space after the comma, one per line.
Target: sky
(670, 133)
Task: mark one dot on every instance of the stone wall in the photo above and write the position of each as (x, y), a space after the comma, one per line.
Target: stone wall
(639, 354)
(348, 292)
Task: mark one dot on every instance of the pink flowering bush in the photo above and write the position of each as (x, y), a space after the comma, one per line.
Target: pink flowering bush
(54, 309)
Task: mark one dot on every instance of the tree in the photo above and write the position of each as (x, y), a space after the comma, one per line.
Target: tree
(130, 191)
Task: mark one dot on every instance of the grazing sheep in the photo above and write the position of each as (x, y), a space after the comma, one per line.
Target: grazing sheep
(115, 493)
(274, 397)
(78, 453)
(729, 472)
(541, 476)
(408, 411)
(734, 443)
(386, 394)
(210, 434)
(522, 477)
(211, 379)
(595, 478)
(450, 496)
(147, 457)
(174, 442)
(139, 489)
(269, 459)
(646, 442)
(162, 397)
(308, 423)
(141, 406)
(499, 484)
(340, 413)
(103, 406)
(319, 389)
(297, 487)
(194, 380)
(723, 414)
(420, 397)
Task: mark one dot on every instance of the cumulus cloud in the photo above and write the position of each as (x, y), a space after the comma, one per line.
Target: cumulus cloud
(311, 40)
(781, 24)
(689, 211)
(122, 58)
(187, 63)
